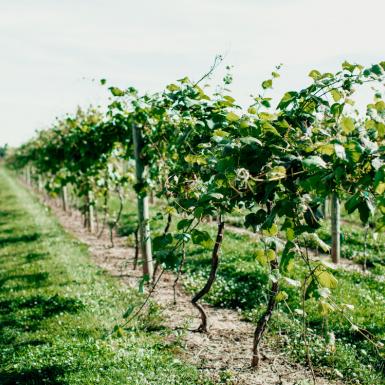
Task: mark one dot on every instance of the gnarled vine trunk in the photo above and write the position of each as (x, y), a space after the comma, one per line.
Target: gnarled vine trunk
(213, 272)
(263, 321)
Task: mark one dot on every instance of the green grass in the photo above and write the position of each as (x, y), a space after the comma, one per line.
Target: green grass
(57, 309)
(242, 284)
(358, 244)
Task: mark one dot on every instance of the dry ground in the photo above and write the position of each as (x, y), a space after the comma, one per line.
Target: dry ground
(228, 344)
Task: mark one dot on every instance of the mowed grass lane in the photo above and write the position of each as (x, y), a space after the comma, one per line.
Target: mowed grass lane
(56, 309)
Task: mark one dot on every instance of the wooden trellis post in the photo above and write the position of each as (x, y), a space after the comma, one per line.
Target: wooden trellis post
(143, 205)
(336, 228)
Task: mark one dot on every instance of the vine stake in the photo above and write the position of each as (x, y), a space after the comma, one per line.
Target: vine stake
(143, 208)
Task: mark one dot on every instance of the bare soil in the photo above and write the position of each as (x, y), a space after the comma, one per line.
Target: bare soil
(227, 346)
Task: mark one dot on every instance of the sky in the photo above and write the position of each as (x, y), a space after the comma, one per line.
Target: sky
(52, 51)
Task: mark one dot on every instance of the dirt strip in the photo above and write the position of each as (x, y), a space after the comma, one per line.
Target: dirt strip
(227, 347)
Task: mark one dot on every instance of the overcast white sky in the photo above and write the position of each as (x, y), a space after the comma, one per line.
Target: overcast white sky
(50, 50)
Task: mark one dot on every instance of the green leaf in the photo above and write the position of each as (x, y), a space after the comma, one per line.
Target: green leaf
(185, 80)
(255, 219)
(380, 127)
(287, 99)
(337, 95)
(185, 237)
(272, 231)
(379, 181)
(380, 106)
(221, 133)
(198, 212)
(271, 255)
(352, 203)
(336, 109)
(198, 159)
(314, 163)
(232, 117)
(277, 172)
(348, 67)
(173, 87)
(202, 238)
(376, 69)
(281, 296)
(311, 289)
(354, 151)
(261, 257)
(170, 210)
(229, 99)
(347, 125)
(325, 308)
(270, 128)
(119, 331)
(290, 234)
(169, 258)
(266, 116)
(326, 149)
(380, 189)
(116, 91)
(267, 84)
(325, 279)
(212, 196)
(314, 74)
(366, 208)
(162, 241)
(184, 223)
(128, 312)
(287, 259)
(250, 140)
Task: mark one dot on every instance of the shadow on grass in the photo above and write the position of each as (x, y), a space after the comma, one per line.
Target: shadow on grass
(29, 343)
(7, 230)
(7, 216)
(29, 280)
(31, 257)
(21, 238)
(27, 313)
(46, 375)
(6, 213)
